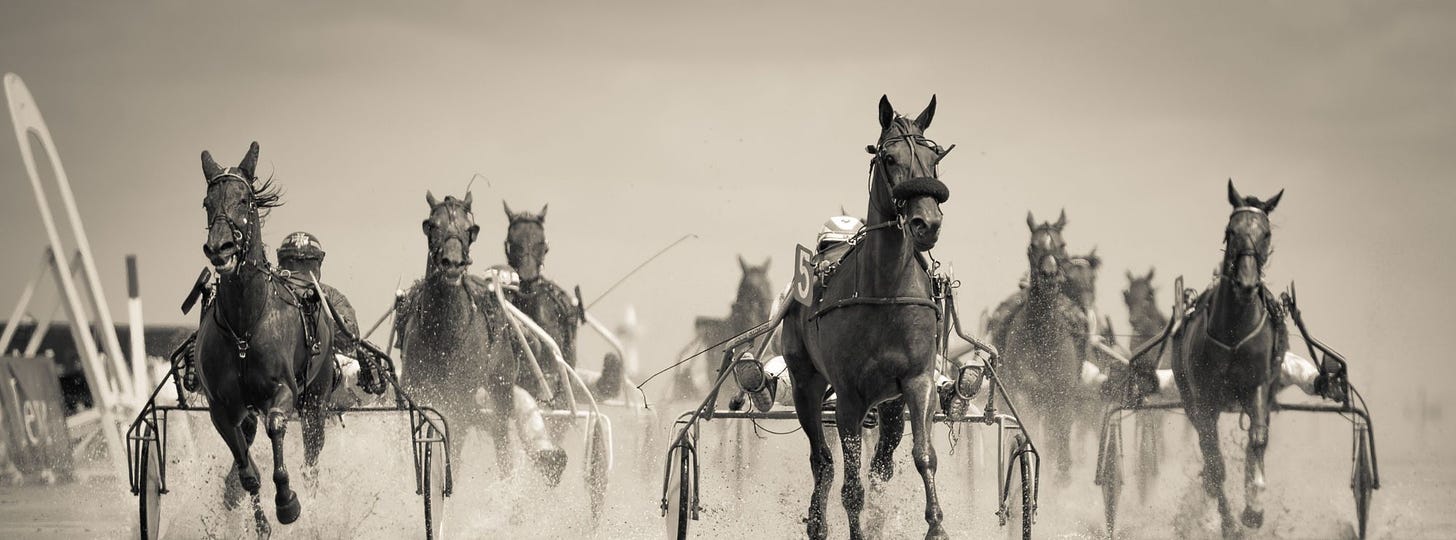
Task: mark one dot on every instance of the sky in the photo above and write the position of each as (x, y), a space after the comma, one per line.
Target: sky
(744, 123)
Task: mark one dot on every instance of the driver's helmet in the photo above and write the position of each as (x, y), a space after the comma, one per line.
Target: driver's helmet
(839, 229)
(301, 245)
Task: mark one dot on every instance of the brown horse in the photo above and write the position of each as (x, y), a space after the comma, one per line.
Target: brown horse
(871, 330)
(1147, 321)
(254, 353)
(1044, 343)
(750, 308)
(454, 340)
(1226, 355)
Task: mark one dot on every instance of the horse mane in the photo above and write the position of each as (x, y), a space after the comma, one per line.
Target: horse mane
(266, 195)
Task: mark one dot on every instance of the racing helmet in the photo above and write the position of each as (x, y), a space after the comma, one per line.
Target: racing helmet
(301, 245)
(839, 229)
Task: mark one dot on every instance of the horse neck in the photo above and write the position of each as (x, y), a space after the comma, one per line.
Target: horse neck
(1146, 321)
(886, 257)
(1234, 314)
(445, 306)
(243, 295)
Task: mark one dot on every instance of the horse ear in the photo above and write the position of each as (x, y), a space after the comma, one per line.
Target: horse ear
(1061, 220)
(210, 168)
(542, 216)
(922, 120)
(742, 263)
(1030, 221)
(766, 261)
(467, 200)
(250, 161)
(1272, 202)
(507, 207)
(1130, 277)
(887, 112)
(1150, 274)
(1235, 199)
(430, 198)
(1093, 259)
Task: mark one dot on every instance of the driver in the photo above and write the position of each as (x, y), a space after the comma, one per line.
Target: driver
(302, 256)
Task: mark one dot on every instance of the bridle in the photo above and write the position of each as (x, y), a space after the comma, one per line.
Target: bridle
(453, 232)
(903, 192)
(1233, 256)
(526, 218)
(241, 233)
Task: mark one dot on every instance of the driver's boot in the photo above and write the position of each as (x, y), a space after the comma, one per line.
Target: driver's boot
(545, 455)
(1330, 383)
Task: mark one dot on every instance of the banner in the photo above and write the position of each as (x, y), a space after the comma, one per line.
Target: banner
(33, 431)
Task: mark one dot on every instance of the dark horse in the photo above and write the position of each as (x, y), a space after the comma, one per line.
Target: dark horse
(1147, 321)
(1226, 355)
(750, 308)
(1044, 343)
(871, 330)
(254, 355)
(454, 340)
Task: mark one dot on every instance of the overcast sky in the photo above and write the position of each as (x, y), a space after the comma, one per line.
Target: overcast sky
(745, 122)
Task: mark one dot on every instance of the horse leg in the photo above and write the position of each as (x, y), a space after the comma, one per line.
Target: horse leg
(233, 434)
(1059, 429)
(232, 493)
(497, 426)
(849, 416)
(917, 395)
(1205, 422)
(285, 499)
(1253, 516)
(892, 428)
(809, 404)
(549, 458)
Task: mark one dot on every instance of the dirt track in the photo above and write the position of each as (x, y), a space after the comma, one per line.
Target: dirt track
(365, 492)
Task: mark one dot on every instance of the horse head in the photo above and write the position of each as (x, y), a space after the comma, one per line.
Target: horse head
(755, 294)
(236, 203)
(526, 242)
(1047, 250)
(907, 184)
(1081, 272)
(1247, 239)
(1141, 298)
(450, 230)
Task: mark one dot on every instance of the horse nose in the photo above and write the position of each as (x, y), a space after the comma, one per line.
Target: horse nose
(925, 229)
(1048, 265)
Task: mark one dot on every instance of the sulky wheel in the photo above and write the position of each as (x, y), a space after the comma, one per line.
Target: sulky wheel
(596, 475)
(1362, 480)
(434, 483)
(680, 493)
(1109, 471)
(1028, 499)
(149, 496)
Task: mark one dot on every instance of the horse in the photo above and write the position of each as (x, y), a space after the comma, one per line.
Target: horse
(255, 354)
(1044, 343)
(558, 313)
(1226, 355)
(1147, 321)
(751, 304)
(871, 330)
(454, 340)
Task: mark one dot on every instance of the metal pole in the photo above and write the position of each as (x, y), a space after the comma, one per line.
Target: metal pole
(138, 333)
(12, 324)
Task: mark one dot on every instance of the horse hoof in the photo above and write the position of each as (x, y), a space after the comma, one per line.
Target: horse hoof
(288, 512)
(882, 472)
(250, 483)
(551, 462)
(1252, 519)
(936, 533)
(818, 530)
